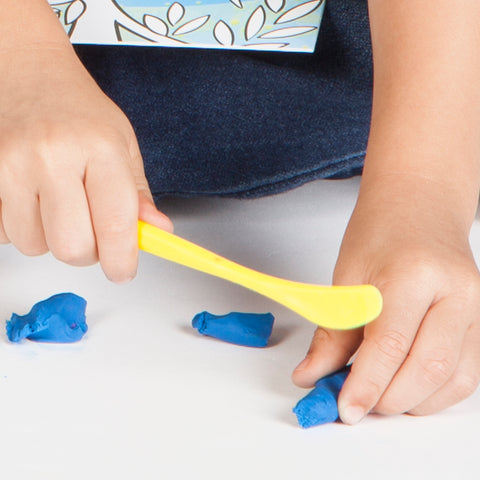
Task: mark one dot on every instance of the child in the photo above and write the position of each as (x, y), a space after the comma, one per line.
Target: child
(72, 178)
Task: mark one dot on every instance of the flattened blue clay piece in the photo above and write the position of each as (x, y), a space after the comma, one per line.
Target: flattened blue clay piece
(320, 405)
(247, 329)
(58, 319)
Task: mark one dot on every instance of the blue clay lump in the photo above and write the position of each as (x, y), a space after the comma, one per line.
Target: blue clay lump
(58, 319)
(320, 405)
(247, 329)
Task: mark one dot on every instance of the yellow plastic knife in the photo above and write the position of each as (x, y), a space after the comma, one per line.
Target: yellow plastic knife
(336, 307)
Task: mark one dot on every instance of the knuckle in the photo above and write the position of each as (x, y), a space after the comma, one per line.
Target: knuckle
(119, 225)
(29, 244)
(465, 385)
(320, 336)
(390, 407)
(369, 388)
(370, 392)
(105, 145)
(12, 172)
(437, 368)
(393, 345)
(115, 231)
(52, 147)
(416, 263)
(109, 142)
(69, 257)
(33, 250)
(74, 253)
(471, 287)
(426, 270)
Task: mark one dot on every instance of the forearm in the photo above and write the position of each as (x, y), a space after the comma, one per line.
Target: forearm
(426, 107)
(29, 23)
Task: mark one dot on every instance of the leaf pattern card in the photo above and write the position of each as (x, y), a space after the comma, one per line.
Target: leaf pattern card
(283, 25)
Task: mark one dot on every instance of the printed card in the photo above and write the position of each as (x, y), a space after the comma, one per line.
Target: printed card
(282, 25)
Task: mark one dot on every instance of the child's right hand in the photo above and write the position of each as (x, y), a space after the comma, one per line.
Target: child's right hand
(71, 173)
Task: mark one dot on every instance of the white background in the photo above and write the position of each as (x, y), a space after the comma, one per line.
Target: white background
(143, 396)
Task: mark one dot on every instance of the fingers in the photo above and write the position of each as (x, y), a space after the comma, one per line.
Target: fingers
(21, 223)
(66, 221)
(432, 360)
(113, 202)
(116, 203)
(386, 344)
(82, 204)
(462, 383)
(329, 351)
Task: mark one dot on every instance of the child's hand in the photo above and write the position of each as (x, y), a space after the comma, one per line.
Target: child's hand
(423, 353)
(71, 173)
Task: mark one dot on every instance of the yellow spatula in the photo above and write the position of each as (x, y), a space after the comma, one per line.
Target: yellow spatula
(336, 307)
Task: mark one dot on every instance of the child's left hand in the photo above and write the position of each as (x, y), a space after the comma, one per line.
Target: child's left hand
(422, 354)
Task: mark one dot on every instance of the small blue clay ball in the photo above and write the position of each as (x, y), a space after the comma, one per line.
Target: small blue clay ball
(58, 319)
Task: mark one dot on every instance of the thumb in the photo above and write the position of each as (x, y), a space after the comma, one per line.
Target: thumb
(329, 351)
(147, 211)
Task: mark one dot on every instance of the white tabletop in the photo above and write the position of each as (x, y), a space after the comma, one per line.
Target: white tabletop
(143, 396)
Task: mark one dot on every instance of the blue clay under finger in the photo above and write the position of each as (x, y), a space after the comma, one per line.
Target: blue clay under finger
(320, 405)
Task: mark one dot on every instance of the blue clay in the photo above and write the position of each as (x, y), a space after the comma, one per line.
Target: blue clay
(58, 319)
(320, 405)
(247, 329)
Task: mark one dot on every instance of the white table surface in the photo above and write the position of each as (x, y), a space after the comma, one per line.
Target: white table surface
(143, 396)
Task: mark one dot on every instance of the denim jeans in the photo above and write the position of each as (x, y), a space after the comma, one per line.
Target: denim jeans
(246, 124)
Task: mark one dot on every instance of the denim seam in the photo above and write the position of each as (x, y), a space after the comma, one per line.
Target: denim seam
(265, 184)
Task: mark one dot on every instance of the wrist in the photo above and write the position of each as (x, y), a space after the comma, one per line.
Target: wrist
(412, 199)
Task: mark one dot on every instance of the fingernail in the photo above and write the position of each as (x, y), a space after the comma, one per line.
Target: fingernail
(352, 415)
(124, 281)
(303, 364)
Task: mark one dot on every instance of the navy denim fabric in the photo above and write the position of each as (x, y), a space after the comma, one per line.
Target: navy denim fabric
(246, 124)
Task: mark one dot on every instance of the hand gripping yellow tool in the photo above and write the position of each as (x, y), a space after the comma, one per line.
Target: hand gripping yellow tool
(335, 307)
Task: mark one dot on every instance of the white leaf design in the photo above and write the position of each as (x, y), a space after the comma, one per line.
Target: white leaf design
(57, 12)
(155, 24)
(287, 32)
(299, 11)
(175, 13)
(192, 25)
(237, 3)
(223, 34)
(74, 11)
(255, 23)
(275, 5)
